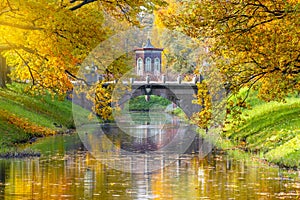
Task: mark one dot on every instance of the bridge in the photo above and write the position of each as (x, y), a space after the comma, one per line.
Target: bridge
(179, 92)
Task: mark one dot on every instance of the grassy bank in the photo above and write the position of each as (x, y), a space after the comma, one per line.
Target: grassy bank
(272, 130)
(155, 103)
(24, 117)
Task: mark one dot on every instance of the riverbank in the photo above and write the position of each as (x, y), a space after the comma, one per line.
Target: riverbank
(24, 117)
(271, 131)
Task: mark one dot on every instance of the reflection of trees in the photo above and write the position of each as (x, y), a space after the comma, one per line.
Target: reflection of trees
(147, 135)
(215, 177)
(4, 167)
(89, 183)
(79, 176)
(61, 177)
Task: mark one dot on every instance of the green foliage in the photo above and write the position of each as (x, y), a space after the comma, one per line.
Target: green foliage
(155, 103)
(271, 129)
(11, 134)
(287, 154)
(179, 112)
(40, 110)
(23, 116)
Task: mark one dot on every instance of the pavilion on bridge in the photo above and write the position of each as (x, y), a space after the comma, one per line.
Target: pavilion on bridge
(148, 60)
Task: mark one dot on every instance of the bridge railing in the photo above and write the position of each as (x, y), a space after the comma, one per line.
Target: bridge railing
(90, 80)
(147, 80)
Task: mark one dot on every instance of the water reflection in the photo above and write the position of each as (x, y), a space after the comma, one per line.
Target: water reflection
(143, 137)
(67, 171)
(79, 176)
(148, 141)
(143, 132)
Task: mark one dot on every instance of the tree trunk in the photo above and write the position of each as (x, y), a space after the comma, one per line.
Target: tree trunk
(8, 79)
(3, 71)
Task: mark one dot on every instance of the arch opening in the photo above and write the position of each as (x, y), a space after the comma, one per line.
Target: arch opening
(159, 91)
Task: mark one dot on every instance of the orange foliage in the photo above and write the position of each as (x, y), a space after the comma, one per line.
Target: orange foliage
(24, 124)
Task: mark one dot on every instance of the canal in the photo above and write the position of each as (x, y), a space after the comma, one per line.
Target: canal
(84, 167)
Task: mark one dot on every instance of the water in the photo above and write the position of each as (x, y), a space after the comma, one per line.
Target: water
(67, 171)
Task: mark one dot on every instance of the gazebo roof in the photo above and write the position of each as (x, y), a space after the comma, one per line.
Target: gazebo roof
(149, 46)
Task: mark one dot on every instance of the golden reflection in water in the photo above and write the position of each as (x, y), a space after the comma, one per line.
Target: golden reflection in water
(80, 176)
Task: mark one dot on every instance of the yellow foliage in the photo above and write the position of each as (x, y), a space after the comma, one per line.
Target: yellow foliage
(204, 99)
(27, 126)
(255, 44)
(41, 40)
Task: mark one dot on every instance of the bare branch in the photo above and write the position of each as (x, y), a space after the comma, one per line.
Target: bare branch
(4, 11)
(5, 48)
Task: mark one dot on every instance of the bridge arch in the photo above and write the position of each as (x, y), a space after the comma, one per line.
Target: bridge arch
(180, 94)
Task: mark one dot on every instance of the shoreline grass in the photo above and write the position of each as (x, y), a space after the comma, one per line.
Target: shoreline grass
(24, 117)
(271, 130)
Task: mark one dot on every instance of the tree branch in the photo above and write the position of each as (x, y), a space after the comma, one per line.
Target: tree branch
(25, 62)
(85, 2)
(13, 47)
(20, 26)
(77, 78)
(29, 69)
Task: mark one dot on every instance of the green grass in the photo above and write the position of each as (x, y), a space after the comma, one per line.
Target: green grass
(10, 134)
(155, 103)
(37, 115)
(272, 129)
(40, 110)
(179, 112)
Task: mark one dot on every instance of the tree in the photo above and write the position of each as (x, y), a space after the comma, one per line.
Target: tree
(130, 10)
(179, 55)
(3, 71)
(42, 40)
(254, 43)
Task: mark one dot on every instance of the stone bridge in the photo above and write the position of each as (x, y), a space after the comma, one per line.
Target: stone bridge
(179, 92)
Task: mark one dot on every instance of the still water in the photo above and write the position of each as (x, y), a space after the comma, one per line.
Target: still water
(66, 170)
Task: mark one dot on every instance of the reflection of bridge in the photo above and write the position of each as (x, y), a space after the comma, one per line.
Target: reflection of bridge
(141, 150)
(179, 92)
(149, 131)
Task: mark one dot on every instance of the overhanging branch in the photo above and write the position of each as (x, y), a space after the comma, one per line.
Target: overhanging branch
(12, 47)
(77, 78)
(25, 62)
(81, 4)
(20, 26)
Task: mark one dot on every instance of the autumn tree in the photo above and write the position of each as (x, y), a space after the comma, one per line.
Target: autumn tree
(42, 40)
(179, 55)
(255, 43)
